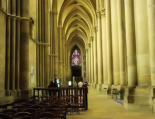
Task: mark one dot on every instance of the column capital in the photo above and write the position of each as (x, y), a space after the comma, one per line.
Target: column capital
(98, 13)
(91, 38)
(89, 45)
(103, 12)
(87, 51)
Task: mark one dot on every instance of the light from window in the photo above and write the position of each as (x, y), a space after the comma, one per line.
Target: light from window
(76, 58)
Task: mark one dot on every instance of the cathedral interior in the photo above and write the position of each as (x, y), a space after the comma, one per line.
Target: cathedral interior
(108, 43)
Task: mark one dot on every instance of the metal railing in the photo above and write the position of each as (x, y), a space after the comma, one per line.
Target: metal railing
(72, 95)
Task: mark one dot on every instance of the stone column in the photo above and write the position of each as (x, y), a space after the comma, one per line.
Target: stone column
(95, 59)
(104, 47)
(13, 45)
(51, 45)
(55, 38)
(54, 45)
(121, 37)
(42, 47)
(63, 58)
(142, 42)
(8, 37)
(61, 52)
(99, 50)
(89, 62)
(13, 53)
(8, 50)
(39, 68)
(18, 55)
(130, 42)
(92, 61)
(151, 25)
(109, 42)
(25, 32)
(115, 44)
(46, 33)
(18, 47)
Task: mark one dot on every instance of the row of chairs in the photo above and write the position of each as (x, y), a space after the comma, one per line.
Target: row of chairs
(51, 109)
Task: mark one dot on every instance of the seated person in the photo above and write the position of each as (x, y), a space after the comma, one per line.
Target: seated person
(80, 84)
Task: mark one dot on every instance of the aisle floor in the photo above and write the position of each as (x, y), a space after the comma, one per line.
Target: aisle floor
(101, 107)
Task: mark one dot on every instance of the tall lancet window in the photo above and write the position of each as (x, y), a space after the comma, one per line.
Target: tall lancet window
(76, 58)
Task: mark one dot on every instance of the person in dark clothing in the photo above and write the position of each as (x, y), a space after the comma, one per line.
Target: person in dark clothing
(53, 84)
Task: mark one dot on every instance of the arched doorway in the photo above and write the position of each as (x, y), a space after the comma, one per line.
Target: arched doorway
(76, 64)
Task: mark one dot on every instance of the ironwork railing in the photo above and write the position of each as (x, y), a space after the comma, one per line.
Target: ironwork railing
(72, 95)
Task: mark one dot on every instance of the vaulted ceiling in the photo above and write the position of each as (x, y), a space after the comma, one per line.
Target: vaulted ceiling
(77, 18)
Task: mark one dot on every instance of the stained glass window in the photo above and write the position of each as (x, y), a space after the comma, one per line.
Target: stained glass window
(76, 58)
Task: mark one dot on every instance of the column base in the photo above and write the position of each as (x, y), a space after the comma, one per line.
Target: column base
(5, 98)
(99, 87)
(94, 85)
(90, 84)
(9, 96)
(138, 99)
(14, 93)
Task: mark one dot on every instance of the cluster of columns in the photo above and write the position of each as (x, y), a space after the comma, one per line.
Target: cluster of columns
(17, 46)
(54, 42)
(115, 54)
(151, 26)
(61, 72)
(57, 47)
(43, 44)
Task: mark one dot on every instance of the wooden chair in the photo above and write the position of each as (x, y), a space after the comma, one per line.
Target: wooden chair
(9, 112)
(32, 111)
(48, 115)
(36, 106)
(4, 116)
(18, 107)
(58, 112)
(22, 115)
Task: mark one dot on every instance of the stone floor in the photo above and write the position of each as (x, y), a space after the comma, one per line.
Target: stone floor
(101, 107)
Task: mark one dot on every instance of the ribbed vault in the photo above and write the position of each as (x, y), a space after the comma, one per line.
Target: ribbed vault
(77, 18)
